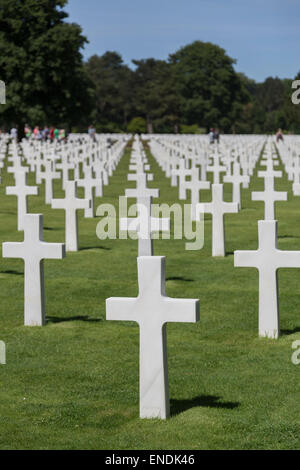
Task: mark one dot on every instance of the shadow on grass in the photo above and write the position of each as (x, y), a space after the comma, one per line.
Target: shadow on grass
(208, 401)
(179, 278)
(290, 332)
(77, 318)
(95, 248)
(288, 236)
(12, 271)
(229, 253)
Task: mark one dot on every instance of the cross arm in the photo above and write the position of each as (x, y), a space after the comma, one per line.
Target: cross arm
(162, 224)
(232, 207)
(58, 204)
(275, 174)
(13, 250)
(53, 250)
(289, 259)
(281, 195)
(32, 191)
(181, 310)
(131, 193)
(84, 203)
(11, 190)
(121, 309)
(203, 207)
(258, 196)
(129, 224)
(245, 259)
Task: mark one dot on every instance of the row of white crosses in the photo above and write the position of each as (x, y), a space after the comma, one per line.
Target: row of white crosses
(33, 250)
(268, 258)
(290, 153)
(152, 309)
(70, 203)
(217, 207)
(144, 224)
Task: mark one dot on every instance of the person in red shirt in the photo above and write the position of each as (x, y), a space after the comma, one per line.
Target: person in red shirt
(51, 133)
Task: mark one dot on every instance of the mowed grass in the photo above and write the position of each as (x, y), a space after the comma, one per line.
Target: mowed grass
(73, 384)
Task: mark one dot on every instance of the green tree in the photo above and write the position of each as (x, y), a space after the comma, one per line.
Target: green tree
(270, 94)
(41, 64)
(290, 111)
(113, 92)
(155, 95)
(211, 92)
(137, 125)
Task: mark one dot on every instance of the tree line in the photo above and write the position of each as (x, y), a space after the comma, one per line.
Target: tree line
(195, 89)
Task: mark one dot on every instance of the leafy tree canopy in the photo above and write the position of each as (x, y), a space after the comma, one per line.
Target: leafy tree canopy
(41, 64)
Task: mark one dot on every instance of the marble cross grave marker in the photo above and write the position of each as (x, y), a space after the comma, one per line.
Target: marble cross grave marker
(141, 190)
(22, 191)
(65, 167)
(144, 224)
(33, 250)
(269, 164)
(195, 185)
(49, 175)
(237, 179)
(217, 208)
(152, 309)
(89, 183)
(71, 203)
(269, 196)
(268, 259)
(216, 169)
(182, 172)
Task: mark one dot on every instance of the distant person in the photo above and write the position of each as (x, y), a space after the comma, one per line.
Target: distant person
(217, 135)
(56, 133)
(62, 135)
(36, 131)
(51, 133)
(92, 133)
(279, 136)
(27, 131)
(39, 134)
(45, 133)
(211, 136)
(14, 134)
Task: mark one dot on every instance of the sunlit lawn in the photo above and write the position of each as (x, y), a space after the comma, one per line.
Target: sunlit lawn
(73, 384)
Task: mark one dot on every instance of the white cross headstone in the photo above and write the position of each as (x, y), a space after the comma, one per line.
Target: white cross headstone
(135, 176)
(267, 259)
(89, 183)
(269, 172)
(144, 224)
(22, 191)
(33, 250)
(269, 196)
(237, 179)
(17, 167)
(152, 309)
(217, 208)
(195, 185)
(71, 203)
(141, 190)
(65, 167)
(182, 172)
(216, 169)
(49, 175)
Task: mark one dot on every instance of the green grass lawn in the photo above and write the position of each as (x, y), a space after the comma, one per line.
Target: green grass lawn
(74, 383)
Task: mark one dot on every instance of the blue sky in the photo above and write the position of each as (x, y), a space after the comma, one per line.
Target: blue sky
(262, 35)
